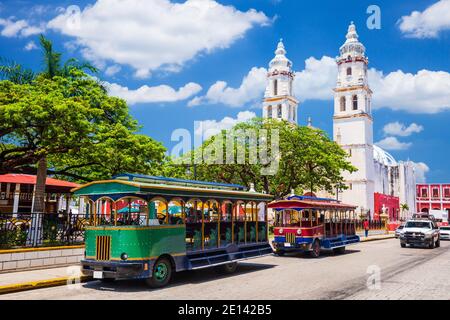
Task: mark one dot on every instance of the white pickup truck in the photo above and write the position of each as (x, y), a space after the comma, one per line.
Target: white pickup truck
(420, 232)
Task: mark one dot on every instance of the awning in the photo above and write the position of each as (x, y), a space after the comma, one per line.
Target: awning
(31, 179)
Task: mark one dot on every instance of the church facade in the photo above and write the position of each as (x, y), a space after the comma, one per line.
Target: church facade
(381, 184)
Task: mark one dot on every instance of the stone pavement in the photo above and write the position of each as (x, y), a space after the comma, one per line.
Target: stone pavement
(26, 280)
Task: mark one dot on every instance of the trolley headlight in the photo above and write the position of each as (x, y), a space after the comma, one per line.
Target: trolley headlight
(124, 256)
(280, 231)
(299, 231)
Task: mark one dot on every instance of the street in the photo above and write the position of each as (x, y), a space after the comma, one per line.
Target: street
(409, 273)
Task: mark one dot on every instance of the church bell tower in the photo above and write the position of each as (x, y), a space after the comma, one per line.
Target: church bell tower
(279, 102)
(352, 122)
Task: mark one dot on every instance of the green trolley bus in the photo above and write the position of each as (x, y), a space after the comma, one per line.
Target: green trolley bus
(145, 227)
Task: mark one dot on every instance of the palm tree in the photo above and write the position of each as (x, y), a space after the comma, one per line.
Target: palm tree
(14, 72)
(404, 207)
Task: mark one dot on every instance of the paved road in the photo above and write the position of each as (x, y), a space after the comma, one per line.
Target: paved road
(405, 274)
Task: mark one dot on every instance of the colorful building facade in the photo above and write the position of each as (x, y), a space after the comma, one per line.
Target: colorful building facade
(433, 196)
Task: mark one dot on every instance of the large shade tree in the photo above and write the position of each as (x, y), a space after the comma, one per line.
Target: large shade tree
(308, 161)
(62, 121)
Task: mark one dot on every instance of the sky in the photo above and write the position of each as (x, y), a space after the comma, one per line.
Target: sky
(180, 64)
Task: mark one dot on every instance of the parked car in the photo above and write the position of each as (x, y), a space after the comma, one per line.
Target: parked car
(444, 232)
(420, 232)
(398, 231)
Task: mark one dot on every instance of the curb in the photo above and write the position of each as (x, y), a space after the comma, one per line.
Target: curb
(40, 284)
(384, 237)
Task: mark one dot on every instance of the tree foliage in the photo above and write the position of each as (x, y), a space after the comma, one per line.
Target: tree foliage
(70, 119)
(308, 159)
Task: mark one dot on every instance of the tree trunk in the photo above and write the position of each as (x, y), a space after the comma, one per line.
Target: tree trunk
(39, 196)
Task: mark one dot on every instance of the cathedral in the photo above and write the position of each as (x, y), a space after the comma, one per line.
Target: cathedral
(381, 184)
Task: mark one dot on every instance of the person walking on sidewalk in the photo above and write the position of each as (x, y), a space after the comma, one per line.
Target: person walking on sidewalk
(366, 227)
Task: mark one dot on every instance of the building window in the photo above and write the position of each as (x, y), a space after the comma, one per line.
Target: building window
(355, 102)
(435, 193)
(269, 111)
(349, 71)
(424, 193)
(350, 186)
(275, 87)
(279, 111)
(447, 193)
(349, 152)
(342, 103)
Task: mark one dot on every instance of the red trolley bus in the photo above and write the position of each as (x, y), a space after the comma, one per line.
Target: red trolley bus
(309, 224)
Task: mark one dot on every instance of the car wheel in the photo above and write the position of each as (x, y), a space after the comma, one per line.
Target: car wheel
(161, 274)
(315, 252)
(438, 243)
(431, 246)
(403, 245)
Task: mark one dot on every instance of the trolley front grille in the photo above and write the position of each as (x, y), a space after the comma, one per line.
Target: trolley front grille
(290, 237)
(103, 250)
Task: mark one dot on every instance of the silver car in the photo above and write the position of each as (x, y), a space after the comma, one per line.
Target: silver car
(445, 232)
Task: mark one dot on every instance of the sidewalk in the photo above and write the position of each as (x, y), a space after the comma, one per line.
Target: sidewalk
(33, 279)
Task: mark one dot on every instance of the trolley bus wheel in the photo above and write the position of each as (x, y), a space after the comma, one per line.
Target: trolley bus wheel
(162, 273)
(315, 252)
(339, 250)
(280, 253)
(227, 268)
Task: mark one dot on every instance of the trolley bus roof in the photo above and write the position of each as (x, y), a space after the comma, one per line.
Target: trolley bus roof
(119, 187)
(309, 204)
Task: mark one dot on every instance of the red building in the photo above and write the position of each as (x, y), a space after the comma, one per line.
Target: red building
(433, 196)
(391, 205)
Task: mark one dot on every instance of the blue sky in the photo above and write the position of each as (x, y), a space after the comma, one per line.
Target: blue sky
(225, 44)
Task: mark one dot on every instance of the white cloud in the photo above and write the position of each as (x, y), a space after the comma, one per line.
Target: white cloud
(18, 28)
(400, 129)
(155, 34)
(250, 91)
(392, 143)
(31, 46)
(146, 94)
(317, 80)
(208, 128)
(112, 70)
(429, 23)
(423, 92)
(421, 170)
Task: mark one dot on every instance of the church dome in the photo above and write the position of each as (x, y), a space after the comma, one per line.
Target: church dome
(383, 157)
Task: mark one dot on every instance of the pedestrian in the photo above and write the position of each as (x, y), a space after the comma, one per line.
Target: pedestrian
(366, 227)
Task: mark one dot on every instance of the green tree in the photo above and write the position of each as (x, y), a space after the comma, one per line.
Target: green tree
(73, 123)
(52, 67)
(308, 159)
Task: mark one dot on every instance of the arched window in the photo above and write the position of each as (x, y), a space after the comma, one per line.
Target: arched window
(355, 102)
(349, 71)
(279, 111)
(269, 112)
(275, 87)
(342, 103)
